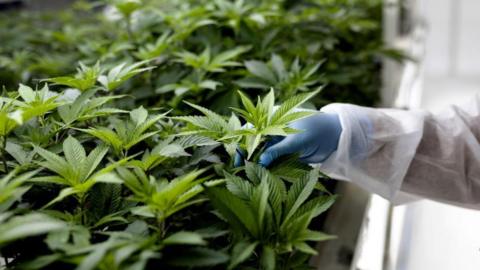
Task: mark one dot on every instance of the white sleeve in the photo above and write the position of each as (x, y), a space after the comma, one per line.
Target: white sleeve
(402, 154)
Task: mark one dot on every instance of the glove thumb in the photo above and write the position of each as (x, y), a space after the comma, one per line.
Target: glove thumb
(275, 151)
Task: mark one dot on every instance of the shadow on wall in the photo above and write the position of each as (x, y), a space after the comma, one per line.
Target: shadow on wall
(34, 4)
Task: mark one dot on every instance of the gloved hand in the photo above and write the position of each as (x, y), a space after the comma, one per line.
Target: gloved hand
(317, 140)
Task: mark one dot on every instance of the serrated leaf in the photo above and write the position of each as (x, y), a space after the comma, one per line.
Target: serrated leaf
(260, 202)
(289, 105)
(54, 162)
(236, 211)
(238, 186)
(299, 193)
(74, 152)
(195, 140)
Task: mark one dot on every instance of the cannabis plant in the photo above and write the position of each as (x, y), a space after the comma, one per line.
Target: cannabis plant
(268, 217)
(96, 176)
(76, 171)
(275, 74)
(125, 134)
(263, 120)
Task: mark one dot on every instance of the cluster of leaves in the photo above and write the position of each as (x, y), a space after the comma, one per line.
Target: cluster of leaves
(103, 166)
(204, 49)
(98, 186)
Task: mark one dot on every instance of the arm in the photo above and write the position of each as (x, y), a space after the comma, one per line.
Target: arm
(387, 151)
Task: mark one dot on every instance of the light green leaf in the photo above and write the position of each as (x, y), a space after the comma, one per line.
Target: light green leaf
(261, 70)
(27, 93)
(74, 152)
(289, 105)
(26, 226)
(139, 115)
(66, 192)
(184, 238)
(305, 248)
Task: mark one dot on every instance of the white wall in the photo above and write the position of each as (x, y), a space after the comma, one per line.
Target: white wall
(429, 235)
(453, 42)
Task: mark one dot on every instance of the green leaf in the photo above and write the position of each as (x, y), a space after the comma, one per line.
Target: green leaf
(139, 115)
(278, 67)
(241, 252)
(74, 152)
(268, 260)
(198, 257)
(238, 186)
(184, 238)
(106, 135)
(211, 115)
(253, 142)
(93, 160)
(195, 140)
(27, 93)
(260, 202)
(279, 117)
(127, 7)
(84, 79)
(236, 211)
(315, 206)
(62, 195)
(20, 227)
(289, 167)
(54, 162)
(121, 73)
(40, 262)
(247, 103)
(309, 235)
(261, 70)
(277, 192)
(305, 248)
(299, 193)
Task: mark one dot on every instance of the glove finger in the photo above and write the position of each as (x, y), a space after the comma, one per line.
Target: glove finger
(284, 147)
(273, 140)
(239, 158)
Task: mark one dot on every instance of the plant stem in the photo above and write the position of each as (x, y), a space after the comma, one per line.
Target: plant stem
(4, 153)
(161, 227)
(83, 219)
(129, 30)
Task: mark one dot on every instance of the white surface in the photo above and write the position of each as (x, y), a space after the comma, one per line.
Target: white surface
(431, 235)
(439, 237)
(468, 62)
(454, 37)
(371, 241)
(437, 59)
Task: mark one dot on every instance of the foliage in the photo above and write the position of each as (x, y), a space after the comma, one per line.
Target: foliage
(266, 216)
(203, 48)
(262, 120)
(104, 166)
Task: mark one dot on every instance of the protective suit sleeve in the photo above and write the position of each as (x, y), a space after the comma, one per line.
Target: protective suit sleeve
(402, 155)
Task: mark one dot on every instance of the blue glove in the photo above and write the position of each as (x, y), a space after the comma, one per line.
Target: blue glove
(317, 140)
